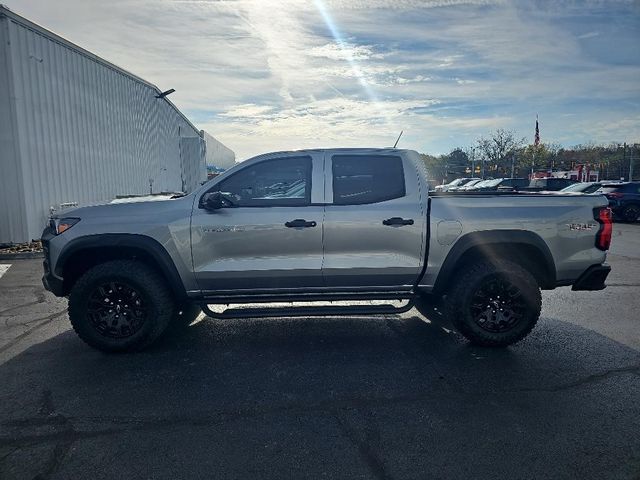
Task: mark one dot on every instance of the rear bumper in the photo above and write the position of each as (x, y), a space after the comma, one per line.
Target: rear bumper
(593, 278)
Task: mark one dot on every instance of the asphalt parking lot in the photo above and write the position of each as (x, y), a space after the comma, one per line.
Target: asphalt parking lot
(385, 398)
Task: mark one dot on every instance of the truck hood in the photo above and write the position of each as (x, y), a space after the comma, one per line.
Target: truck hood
(136, 208)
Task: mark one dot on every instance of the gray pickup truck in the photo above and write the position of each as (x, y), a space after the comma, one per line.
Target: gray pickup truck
(315, 227)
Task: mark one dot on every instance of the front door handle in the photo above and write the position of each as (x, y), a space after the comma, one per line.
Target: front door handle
(397, 221)
(299, 223)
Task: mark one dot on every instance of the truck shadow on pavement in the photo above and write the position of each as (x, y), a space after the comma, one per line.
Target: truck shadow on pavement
(338, 398)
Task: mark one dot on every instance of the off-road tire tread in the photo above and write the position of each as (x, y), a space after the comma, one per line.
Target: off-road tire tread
(457, 295)
(154, 285)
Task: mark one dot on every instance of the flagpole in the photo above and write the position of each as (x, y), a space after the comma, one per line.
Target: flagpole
(536, 142)
(533, 161)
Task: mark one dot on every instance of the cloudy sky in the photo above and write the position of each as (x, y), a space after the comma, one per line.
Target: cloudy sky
(264, 75)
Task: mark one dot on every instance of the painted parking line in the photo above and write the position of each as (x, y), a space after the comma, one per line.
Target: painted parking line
(3, 268)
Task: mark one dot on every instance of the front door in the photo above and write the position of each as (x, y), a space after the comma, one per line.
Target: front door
(374, 228)
(271, 237)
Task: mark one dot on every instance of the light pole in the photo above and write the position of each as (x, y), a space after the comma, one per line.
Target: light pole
(473, 162)
(631, 149)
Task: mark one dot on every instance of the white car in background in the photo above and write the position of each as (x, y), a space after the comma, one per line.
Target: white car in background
(466, 186)
(458, 182)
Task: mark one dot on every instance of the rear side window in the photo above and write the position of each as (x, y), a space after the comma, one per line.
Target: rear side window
(560, 182)
(520, 182)
(360, 179)
(514, 182)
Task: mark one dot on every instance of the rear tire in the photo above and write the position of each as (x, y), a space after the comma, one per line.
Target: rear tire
(631, 213)
(494, 304)
(120, 306)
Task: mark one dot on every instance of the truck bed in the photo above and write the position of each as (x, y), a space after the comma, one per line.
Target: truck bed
(563, 224)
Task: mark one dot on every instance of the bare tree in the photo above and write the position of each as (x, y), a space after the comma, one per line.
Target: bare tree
(498, 149)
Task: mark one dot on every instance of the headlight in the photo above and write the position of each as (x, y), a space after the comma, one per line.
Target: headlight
(59, 225)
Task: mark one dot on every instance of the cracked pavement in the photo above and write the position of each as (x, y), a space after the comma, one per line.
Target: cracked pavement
(389, 397)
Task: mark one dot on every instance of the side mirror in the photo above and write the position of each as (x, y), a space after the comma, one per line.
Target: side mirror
(211, 201)
(215, 201)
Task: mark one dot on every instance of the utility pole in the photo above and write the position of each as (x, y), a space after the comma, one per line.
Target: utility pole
(533, 161)
(473, 161)
(513, 163)
(631, 163)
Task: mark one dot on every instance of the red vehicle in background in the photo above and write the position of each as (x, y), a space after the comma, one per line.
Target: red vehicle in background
(624, 199)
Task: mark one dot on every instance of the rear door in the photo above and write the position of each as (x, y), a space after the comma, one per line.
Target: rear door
(374, 221)
(272, 237)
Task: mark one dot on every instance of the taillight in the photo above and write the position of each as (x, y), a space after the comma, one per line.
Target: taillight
(604, 217)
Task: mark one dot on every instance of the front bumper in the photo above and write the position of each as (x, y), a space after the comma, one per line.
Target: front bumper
(593, 278)
(52, 283)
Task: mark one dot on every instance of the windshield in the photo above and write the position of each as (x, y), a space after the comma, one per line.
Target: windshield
(610, 189)
(457, 182)
(576, 187)
(472, 183)
(493, 183)
(582, 187)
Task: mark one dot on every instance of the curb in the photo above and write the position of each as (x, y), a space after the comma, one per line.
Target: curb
(21, 255)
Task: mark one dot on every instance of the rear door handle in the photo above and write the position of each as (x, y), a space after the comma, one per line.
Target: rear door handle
(299, 223)
(397, 221)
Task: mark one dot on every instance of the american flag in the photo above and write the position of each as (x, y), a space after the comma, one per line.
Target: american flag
(536, 140)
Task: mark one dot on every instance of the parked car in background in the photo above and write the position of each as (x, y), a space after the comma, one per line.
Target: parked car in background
(458, 182)
(582, 187)
(466, 186)
(473, 186)
(501, 184)
(552, 184)
(624, 199)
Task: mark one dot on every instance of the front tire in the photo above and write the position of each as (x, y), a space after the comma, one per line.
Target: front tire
(120, 306)
(494, 304)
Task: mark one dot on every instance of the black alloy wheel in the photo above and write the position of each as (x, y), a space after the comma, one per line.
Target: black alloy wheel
(631, 213)
(116, 309)
(493, 303)
(121, 306)
(498, 305)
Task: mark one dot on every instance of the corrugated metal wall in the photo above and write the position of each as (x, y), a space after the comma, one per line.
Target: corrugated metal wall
(192, 172)
(218, 155)
(83, 131)
(12, 212)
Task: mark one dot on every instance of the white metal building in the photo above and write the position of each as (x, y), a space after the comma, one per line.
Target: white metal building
(218, 155)
(75, 128)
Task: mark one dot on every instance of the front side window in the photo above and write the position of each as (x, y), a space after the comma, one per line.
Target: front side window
(360, 179)
(277, 182)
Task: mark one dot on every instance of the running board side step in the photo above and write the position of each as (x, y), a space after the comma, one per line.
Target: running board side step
(308, 311)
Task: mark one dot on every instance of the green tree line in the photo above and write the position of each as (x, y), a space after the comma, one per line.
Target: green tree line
(503, 154)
